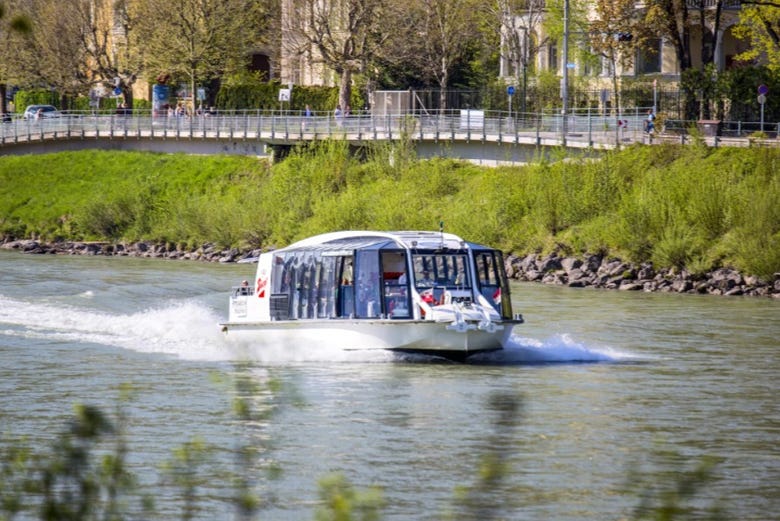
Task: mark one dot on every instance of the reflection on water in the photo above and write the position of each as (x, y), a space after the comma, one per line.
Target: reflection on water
(607, 380)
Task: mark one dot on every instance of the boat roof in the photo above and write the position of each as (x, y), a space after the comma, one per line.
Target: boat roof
(362, 239)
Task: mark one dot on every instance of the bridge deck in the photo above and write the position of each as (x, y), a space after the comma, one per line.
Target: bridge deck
(430, 132)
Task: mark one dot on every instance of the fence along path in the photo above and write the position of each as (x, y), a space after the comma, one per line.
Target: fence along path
(581, 130)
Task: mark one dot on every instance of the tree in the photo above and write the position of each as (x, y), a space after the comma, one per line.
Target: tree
(709, 12)
(445, 31)
(759, 23)
(12, 26)
(82, 44)
(193, 39)
(614, 36)
(578, 27)
(518, 21)
(673, 21)
(344, 35)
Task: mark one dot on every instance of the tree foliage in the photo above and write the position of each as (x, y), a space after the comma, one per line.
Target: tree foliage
(615, 19)
(81, 45)
(196, 40)
(445, 30)
(677, 21)
(759, 24)
(15, 26)
(344, 36)
(518, 22)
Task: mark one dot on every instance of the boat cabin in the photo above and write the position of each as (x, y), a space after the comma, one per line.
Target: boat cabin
(375, 275)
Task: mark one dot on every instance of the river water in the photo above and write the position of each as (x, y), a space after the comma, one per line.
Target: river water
(619, 394)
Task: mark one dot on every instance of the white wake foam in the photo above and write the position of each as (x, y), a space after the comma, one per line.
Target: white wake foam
(559, 348)
(185, 329)
(189, 330)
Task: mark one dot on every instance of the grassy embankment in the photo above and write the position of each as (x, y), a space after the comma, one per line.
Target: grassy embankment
(689, 206)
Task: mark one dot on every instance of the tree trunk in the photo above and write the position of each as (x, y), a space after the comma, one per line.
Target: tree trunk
(445, 78)
(3, 101)
(127, 95)
(193, 94)
(345, 91)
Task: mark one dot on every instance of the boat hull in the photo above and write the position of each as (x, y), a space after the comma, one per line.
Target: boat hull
(420, 336)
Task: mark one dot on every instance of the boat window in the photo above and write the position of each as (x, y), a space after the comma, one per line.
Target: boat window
(367, 284)
(396, 284)
(441, 270)
(296, 275)
(278, 275)
(493, 284)
(309, 287)
(506, 300)
(326, 300)
(347, 272)
(302, 283)
(346, 294)
(325, 287)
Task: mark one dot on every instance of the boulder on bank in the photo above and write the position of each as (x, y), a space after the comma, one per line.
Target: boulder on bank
(591, 270)
(597, 271)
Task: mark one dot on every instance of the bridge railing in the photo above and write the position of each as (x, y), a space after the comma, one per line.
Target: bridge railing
(580, 125)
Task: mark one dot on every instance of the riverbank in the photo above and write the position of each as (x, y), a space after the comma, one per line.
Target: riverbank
(692, 209)
(595, 271)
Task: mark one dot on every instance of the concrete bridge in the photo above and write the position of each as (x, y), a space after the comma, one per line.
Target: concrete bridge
(482, 137)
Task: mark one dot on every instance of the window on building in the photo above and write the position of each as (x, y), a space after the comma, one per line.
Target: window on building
(552, 56)
(648, 60)
(591, 61)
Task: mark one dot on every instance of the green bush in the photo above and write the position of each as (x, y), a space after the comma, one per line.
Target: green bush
(23, 98)
(251, 91)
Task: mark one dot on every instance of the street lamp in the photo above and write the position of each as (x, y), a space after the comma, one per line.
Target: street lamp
(565, 82)
(525, 69)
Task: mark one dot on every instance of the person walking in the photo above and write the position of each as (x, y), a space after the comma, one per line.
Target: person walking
(338, 115)
(650, 122)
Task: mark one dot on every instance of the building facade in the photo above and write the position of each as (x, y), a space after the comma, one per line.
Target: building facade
(301, 64)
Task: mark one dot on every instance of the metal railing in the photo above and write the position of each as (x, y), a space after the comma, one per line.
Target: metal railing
(582, 126)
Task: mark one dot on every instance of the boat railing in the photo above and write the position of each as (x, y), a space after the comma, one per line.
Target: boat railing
(242, 291)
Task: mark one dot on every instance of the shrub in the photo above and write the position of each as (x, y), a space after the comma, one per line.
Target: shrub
(23, 98)
(676, 247)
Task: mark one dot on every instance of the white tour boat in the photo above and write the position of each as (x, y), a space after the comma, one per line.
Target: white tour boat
(411, 291)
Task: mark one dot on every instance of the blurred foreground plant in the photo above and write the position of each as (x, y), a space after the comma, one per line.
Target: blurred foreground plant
(671, 489)
(341, 502)
(84, 479)
(78, 480)
(483, 500)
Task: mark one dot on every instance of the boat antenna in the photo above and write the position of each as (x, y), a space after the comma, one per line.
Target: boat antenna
(441, 231)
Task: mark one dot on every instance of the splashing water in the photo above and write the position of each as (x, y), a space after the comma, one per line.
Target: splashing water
(560, 348)
(188, 330)
(185, 329)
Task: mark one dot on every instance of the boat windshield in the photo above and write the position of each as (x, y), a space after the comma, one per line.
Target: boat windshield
(441, 270)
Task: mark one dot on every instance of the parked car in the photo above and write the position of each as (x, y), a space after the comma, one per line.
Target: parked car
(41, 112)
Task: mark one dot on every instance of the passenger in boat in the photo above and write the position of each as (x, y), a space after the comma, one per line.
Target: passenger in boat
(347, 274)
(402, 278)
(425, 280)
(460, 278)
